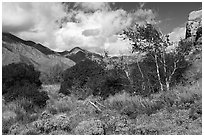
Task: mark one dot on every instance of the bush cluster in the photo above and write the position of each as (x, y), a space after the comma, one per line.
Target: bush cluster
(22, 81)
(92, 76)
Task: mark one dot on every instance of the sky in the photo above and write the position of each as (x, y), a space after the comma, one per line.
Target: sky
(92, 26)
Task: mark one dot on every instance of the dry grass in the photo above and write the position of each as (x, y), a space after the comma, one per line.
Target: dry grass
(132, 105)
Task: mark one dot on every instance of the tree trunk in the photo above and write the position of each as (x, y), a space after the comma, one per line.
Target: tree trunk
(143, 84)
(158, 74)
(128, 75)
(165, 71)
(167, 85)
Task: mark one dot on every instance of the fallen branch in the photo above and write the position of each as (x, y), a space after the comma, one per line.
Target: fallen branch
(95, 106)
(100, 104)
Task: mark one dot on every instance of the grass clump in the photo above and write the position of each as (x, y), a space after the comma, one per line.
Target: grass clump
(132, 105)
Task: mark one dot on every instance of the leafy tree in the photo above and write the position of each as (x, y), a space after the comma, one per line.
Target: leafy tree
(82, 73)
(147, 39)
(90, 75)
(110, 83)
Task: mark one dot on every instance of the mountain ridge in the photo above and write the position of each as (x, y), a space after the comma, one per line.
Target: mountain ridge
(16, 50)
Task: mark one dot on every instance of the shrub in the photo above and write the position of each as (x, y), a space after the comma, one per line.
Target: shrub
(81, 72)
(166, 123)
(6, 124)
(53, 74)
(90, 75)
(14, 112)
(90, 127)
(132, 105)
(19, 74)
(110, 83)
(196, 110)
(22, 81)
(48, 124)
(80, 93)
(61, 105)
(30, 92)
(187, 95)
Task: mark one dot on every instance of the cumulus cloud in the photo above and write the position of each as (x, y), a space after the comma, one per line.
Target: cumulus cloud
(142, 16)
(32, 21)
(90, 32)
(14, 17)
(177, 34)
(93, 30)
(92, 26)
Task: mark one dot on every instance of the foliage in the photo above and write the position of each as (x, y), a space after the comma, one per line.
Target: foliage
(182, 96)
(17, 112)
(22, 81)
(53, 75)
(6, 124)
(148, 83)
(116, 123)
(147, 39)
(80, 93)
(92, 77)
(81, 72)
(19, 74)
(52, 123)
(90, 127)
(122, 114)
(112, 82)
(30, 92)
(165, 122)
(196, 110)
(61, 105)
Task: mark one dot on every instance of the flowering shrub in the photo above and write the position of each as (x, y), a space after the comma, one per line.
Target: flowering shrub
(90, 127)
(50, 123)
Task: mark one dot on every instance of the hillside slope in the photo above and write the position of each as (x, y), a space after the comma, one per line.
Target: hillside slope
(78, 54)
(16, 50)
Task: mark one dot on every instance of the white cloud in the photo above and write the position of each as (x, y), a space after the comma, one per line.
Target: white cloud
(93, 30)
(177, 34)
(14, 17)
(32, 21)
(95, 25)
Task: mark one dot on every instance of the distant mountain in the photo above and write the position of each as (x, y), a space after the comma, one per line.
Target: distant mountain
(78, 54)
(16, 50)
(13, 39)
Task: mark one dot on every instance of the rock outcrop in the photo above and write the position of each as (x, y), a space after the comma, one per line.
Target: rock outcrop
(194, 25)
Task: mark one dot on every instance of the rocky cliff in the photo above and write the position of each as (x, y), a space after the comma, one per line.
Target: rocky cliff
(194, 25)
(194, 34)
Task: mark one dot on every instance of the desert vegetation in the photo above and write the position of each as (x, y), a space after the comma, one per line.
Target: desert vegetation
(162, 95)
